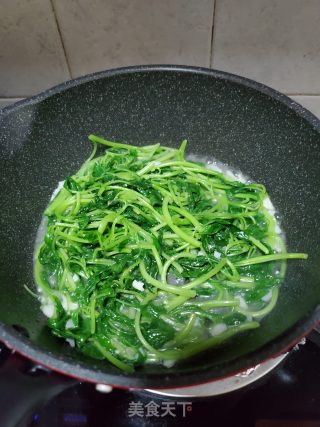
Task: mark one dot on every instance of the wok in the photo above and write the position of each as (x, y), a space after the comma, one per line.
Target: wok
(244, 124)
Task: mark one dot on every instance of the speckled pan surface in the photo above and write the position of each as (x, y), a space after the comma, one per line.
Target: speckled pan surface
(242, 123)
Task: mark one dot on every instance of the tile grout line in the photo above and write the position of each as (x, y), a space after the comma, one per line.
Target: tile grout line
(212, 32)
(61, 38)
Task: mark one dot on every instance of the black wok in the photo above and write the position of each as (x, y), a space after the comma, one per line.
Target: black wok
(247, 125)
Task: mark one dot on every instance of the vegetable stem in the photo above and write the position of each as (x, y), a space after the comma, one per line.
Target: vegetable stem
(148, 256)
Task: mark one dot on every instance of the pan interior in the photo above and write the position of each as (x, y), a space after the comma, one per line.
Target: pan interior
(45, 139)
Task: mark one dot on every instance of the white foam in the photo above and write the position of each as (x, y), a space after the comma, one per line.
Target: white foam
(269, 206)
(218, 329)
(67, 304)
(70, 324)
(48, 309)
(267, 297)
(56, 191)
(168, 363)
(137, 284)
(277, 229)
(52, 280)
(220, 167)
(243, 304)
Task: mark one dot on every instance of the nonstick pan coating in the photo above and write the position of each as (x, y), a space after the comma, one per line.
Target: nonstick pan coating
(249, 126)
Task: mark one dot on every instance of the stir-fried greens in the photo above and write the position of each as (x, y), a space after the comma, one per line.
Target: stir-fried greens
(148, 257)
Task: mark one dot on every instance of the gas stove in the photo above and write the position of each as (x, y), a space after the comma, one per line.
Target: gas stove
(282, 392)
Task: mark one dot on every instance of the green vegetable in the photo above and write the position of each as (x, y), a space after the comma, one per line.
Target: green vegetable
(148, 257)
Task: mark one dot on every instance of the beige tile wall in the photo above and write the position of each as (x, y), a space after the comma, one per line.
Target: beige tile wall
(31, 53)
(274, 41)
(101, 34)
(44, 42)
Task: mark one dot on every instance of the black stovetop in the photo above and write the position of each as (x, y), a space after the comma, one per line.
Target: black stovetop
(288, 396)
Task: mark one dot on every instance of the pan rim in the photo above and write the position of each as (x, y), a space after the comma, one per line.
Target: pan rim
(133, 69)
(281, 344)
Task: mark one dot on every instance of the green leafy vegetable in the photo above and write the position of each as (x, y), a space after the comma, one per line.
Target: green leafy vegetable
(148, 257)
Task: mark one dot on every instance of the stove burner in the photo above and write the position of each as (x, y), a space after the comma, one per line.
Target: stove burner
(225, 385)
(283, 395)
